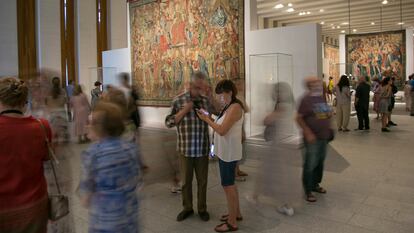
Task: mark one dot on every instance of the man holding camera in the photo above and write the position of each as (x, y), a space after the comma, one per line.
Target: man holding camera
(193, 144)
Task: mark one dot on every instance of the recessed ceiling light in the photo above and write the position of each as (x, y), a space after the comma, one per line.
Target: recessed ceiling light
(344, 23)
(308, 13)
(401, 23)
(372, 23)
(290, 10)
(343, 31)
(338, 27)
(331, 24)
(354, 30)
(278, 6)
(290, 4)
(321, 10)
(385, 2)
(322, 22)
(333, 27)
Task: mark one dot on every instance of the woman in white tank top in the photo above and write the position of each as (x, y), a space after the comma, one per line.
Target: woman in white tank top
(228, 148)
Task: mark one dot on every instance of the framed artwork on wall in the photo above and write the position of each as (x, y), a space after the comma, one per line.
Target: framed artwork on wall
(172, 39)
(332, 54)
(377, 55)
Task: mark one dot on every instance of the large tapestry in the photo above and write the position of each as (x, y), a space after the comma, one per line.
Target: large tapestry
(171, 39)
(331, 53)
(377, 55)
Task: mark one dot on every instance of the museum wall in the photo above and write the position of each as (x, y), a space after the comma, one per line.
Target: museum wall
(48, 34)
(86, 41)
(117, 28)
(8, 38)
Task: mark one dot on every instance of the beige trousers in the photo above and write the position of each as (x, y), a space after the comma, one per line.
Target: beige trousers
(343, 113)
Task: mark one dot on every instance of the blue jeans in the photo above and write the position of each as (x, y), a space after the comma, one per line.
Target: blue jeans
(313, 160)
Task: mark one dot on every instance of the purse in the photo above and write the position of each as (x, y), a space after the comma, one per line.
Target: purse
(58, 203)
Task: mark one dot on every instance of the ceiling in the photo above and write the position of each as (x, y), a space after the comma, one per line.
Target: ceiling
(365, 14)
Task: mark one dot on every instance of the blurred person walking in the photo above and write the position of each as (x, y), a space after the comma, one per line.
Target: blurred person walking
(55, 104)
(69, 91)
(376, 89)
(412, 95)
(96, 94)
(362, 103)
(81, 109)
(23, 189)
(109, 174)
(313, 118)
(407, 94)
(193, 144)
(343, 103)
(385, 102)
(278, 178)
(228, 148)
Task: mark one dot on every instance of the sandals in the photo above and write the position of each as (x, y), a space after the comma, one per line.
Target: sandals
(225, 217)
(242, 173)
(320, 190)
(230, 228)
(310, 197)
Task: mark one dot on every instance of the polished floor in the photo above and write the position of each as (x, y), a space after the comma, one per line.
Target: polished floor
(369, 177)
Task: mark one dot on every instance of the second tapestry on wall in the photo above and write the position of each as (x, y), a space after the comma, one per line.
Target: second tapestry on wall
(170, 40)
(377, 55)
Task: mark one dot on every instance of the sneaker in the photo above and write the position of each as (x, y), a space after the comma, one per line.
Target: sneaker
(176, 189)
(385, 130)
(392, 123)
(286, 210)
(184, 214)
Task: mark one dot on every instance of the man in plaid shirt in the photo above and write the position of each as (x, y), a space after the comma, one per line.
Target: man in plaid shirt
(193, 144)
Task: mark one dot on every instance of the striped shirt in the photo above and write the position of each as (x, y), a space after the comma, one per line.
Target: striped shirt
(192, 132)
(110, 177)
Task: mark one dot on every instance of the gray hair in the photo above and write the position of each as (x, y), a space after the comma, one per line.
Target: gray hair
(198, 76)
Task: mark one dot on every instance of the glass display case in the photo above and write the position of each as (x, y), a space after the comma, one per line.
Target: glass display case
(266, 71)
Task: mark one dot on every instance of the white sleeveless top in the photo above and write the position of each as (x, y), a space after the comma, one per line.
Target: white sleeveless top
(229, 147)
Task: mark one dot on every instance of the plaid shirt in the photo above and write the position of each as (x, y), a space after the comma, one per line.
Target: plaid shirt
(193, 137)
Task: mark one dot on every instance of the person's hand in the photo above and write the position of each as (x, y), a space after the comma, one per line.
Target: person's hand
(202, 114)
(188, 106)
(310, 137)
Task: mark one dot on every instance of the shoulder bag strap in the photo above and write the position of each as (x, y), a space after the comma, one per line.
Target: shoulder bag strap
(51, 155)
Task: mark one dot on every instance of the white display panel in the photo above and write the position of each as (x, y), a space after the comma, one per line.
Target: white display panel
(268, 70)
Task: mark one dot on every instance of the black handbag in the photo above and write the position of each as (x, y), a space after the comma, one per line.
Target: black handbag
(58, 203)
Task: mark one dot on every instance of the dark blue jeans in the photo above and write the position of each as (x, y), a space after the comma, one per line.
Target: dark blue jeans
(313, 160)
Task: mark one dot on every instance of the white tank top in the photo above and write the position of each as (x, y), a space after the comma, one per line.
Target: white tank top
(229, 147)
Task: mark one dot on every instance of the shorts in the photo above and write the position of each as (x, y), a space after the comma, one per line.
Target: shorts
(227, 172)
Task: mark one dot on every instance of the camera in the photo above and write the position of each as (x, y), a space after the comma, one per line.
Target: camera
(197, 104)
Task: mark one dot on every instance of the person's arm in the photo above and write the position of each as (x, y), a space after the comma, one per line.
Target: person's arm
(357, 94)
(347, 91)
(87, 183)
(233, 115)
(307, 132)
(177, 114)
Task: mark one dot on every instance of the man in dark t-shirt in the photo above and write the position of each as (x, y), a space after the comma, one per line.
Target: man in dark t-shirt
(362, 103)
(313, 118)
